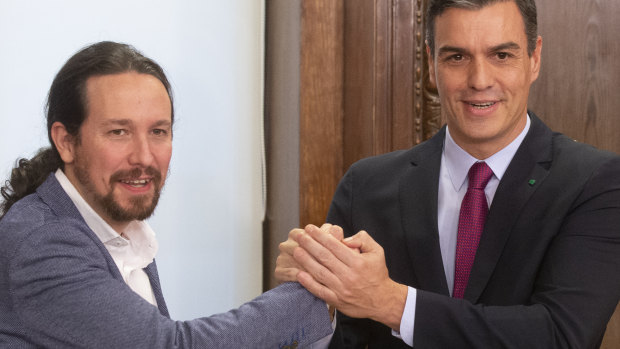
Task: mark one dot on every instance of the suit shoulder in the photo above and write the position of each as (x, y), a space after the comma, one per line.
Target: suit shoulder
(580, 154)
(401, 159)
(32, 219)
(377, 162)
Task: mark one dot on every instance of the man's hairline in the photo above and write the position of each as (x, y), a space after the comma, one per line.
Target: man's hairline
(433, 51)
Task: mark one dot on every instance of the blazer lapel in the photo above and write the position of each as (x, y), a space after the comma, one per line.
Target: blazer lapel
(418, 190)
(527, 170)
(151, 271)
(52, 193)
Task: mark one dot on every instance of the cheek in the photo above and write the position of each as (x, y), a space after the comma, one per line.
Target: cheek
(107, 163)
(449, 81)
(163, 155)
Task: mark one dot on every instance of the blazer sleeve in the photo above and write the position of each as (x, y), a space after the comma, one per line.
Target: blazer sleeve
(63, 294)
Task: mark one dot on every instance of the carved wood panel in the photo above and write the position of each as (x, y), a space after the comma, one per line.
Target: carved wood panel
(388, 101)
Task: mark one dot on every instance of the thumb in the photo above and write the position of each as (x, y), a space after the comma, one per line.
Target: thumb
(362, 242)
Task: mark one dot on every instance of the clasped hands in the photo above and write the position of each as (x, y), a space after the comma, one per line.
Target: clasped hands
(349, 274)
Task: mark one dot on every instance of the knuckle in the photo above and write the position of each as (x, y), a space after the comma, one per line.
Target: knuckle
(321, 275)
(323, 256)
(298, 253)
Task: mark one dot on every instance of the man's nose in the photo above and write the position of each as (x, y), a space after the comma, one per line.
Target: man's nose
(480, 75)
(142, 152)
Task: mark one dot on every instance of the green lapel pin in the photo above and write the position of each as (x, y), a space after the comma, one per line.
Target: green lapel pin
(531, 182)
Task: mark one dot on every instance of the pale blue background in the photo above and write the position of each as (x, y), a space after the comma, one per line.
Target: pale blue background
(208, 222)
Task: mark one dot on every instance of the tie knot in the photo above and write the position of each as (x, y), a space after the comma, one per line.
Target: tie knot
(479, 175)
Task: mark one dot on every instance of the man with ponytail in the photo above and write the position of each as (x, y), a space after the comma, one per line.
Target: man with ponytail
(77, 265)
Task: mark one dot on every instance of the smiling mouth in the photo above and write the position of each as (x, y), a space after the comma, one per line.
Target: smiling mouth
(136, 183)
(482, 105)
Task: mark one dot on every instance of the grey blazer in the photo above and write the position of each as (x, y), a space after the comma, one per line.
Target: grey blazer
(60, 288)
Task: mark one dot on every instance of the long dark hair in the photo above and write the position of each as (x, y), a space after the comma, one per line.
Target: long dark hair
(67, 104)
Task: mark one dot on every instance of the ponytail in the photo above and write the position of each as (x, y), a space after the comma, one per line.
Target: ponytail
(28, 175)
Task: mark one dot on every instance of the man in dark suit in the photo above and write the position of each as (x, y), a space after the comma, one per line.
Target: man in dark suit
(495, 233)
(77, 265)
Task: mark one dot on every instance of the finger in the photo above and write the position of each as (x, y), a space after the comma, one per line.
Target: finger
(286, 261)
(317, 289)
(340, 251)
(286, 274)
(288, 246)
(326, 227)
(294, 232)
(363, 241)
(286, 268)
(320, 245)
(336, 232)
(318, 271)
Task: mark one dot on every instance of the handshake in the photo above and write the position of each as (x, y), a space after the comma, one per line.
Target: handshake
(348, 274)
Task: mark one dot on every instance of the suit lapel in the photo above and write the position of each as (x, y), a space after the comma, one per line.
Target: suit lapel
(527, 170)
(418, 202)
(52, 193)
(151, 271)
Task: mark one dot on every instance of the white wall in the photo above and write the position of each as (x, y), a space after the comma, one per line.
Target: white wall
(208, 222)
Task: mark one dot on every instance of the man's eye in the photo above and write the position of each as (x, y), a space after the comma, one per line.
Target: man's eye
(118, 132)
(457, 57)
(502, 55)
(160, 132)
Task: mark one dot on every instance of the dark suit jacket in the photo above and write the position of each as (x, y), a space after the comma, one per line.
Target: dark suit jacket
(60, 288)
(547, 270)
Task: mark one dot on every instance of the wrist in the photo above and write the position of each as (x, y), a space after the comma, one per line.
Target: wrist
(394, 306)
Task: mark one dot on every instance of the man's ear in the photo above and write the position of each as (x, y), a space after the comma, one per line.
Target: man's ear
(535, 60)
(64, 142)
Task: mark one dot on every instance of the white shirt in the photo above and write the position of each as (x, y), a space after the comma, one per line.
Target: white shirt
(455, 164)
(131, 255)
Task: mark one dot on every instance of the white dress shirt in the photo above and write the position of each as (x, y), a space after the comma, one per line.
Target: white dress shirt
(131, 254)
(455, 164)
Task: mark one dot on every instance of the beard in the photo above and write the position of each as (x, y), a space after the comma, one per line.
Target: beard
(140, 207)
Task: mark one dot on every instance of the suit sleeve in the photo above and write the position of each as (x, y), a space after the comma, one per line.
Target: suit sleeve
(65, 297)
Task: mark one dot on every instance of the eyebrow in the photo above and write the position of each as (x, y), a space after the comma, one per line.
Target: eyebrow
(511, 45)
(122, 122)
(125, 122)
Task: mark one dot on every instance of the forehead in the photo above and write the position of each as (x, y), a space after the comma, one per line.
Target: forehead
(130, 95)
(493, 24)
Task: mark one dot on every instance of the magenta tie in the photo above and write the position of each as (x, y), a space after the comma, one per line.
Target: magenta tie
(474, 210)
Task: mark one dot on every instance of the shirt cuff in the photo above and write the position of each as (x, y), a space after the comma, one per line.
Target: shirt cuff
(408, 319)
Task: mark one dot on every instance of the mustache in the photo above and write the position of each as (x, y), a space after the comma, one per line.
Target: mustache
(136, 173)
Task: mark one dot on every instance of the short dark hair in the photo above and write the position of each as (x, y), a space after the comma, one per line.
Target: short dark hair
(67, 103)
(526, 7)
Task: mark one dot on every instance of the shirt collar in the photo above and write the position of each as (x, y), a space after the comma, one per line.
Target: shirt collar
(140, 233)
(458, 161)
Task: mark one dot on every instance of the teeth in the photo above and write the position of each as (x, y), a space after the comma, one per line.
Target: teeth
(137, 182)
(482, 105)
